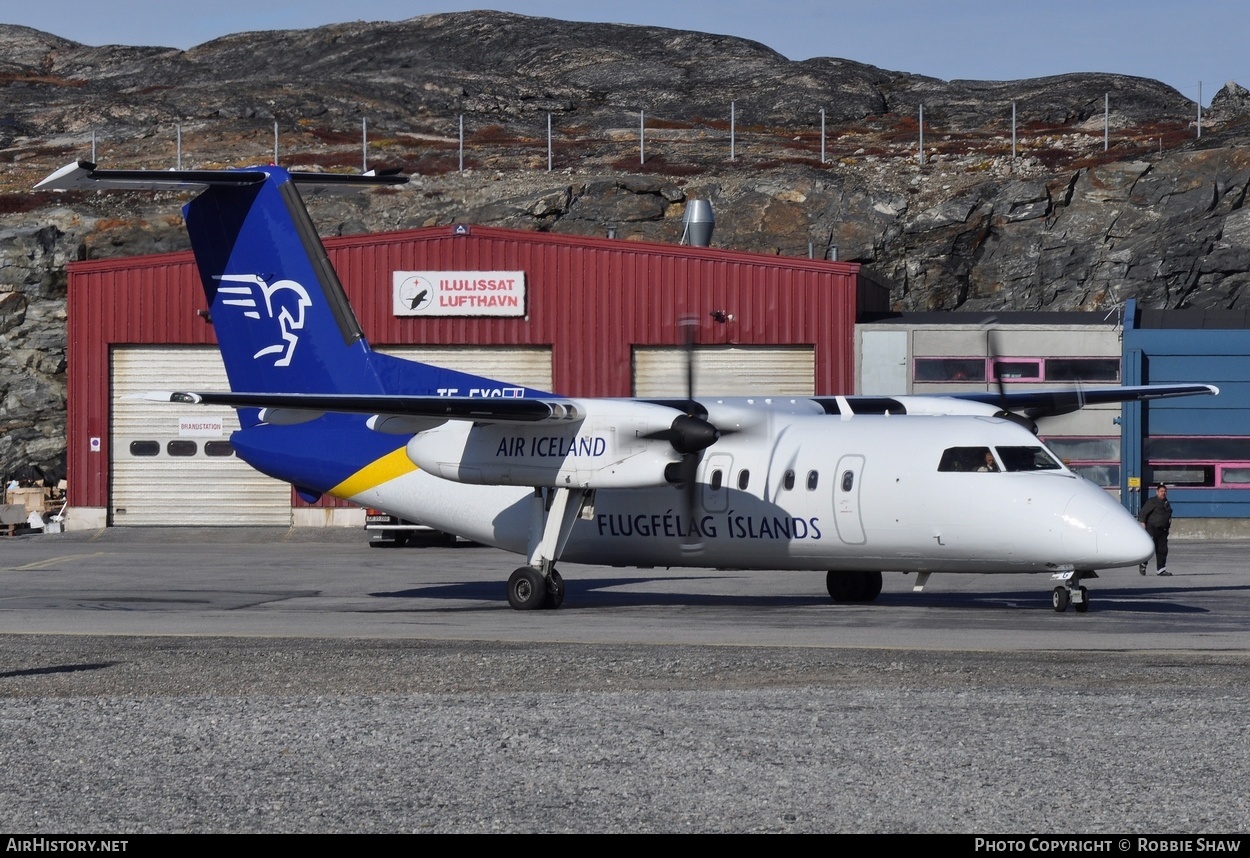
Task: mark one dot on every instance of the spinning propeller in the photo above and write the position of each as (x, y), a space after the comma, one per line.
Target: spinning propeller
(690, 434)
(1061, 402)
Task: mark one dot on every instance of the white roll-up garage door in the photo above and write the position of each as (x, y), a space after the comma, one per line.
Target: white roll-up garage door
(528, 366)
(726, 371)
(173, 464)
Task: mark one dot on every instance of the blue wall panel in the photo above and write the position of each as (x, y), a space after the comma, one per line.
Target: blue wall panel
(1215, 356)
(1197, 422)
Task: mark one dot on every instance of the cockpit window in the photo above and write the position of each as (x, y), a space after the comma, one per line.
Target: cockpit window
(1028, 459)
(968, 459)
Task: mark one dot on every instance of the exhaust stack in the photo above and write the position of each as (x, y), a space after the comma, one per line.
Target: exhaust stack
(698, 223)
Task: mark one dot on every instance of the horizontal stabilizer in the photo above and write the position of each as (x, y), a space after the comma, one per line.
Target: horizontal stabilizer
(85, 176)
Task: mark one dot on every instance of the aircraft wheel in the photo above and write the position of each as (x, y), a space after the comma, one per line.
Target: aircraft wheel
(1059, 598)
(527, 590)
(401, 538)
(1083, 605)
(872, 587)
(555, 591)
(845, 586)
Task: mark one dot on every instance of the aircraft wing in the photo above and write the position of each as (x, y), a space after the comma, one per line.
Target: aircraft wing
(400, 414)
(1048, 403)
(539, 441)
(478, 409)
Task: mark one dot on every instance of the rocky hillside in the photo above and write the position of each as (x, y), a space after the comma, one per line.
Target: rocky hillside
(1084, 216)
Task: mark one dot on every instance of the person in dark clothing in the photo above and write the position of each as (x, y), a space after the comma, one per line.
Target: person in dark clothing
(1156, 516)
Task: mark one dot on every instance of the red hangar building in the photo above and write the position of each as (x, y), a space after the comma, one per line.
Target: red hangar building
(574, 315)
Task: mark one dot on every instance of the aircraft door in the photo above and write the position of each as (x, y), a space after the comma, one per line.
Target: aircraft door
(846, 514)
(715, 483)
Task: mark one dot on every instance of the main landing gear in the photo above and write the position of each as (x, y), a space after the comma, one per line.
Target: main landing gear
(554, 512)
(1071, 592)
(853, 586)
(528, 590)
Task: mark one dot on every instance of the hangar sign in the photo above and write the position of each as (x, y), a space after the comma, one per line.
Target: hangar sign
(459, 293)
(201, 427)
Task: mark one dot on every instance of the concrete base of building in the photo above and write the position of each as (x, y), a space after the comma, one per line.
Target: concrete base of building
(96, 518)
(85, 518)
(1210, 528)
(327, 517)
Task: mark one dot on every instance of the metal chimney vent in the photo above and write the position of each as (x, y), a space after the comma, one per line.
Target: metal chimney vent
(699, 223)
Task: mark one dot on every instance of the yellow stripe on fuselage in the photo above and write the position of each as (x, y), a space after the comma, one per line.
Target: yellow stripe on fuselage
(392, 465)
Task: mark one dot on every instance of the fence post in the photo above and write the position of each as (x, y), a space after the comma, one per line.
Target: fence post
(642, 137)
(461, 170)
(822, 135)
(364, 145)
(733, 128)
(921, 154)
(548, 142)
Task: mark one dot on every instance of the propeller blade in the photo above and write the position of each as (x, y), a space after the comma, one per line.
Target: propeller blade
(690, 328)
(690, 475)
(991, 350)
(1062, 402)
(695, 435)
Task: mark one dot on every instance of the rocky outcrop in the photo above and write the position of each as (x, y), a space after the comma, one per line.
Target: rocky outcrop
(1075, 220)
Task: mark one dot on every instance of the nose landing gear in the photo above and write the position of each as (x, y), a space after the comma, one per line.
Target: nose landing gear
(1071, 592)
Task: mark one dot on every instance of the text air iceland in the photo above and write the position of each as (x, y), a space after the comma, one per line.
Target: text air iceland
(549, 446)
(458, 293)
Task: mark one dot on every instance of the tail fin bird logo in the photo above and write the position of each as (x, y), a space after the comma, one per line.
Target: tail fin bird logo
(289, 311)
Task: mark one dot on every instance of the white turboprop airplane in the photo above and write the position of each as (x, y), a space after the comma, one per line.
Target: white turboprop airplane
(848, 485)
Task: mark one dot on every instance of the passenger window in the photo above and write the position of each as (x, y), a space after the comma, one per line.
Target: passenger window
(812, 479)
(717, 479)
(744, 479)
(848, 480)
(787, 482)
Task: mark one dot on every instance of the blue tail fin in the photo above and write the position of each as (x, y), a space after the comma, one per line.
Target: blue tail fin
(280, 313)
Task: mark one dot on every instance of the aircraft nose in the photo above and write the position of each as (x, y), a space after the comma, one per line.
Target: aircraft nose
(1098, 533)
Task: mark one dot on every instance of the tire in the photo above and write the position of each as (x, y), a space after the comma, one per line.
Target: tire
(1059, 599)
(401, 538)
(527, 589)
(845, 586)
(555, 591)
(872, 587)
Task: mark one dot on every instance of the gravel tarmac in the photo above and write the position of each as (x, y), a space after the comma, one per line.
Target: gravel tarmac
(120, 734)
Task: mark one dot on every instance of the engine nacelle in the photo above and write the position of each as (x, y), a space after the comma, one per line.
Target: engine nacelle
(614, 445)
